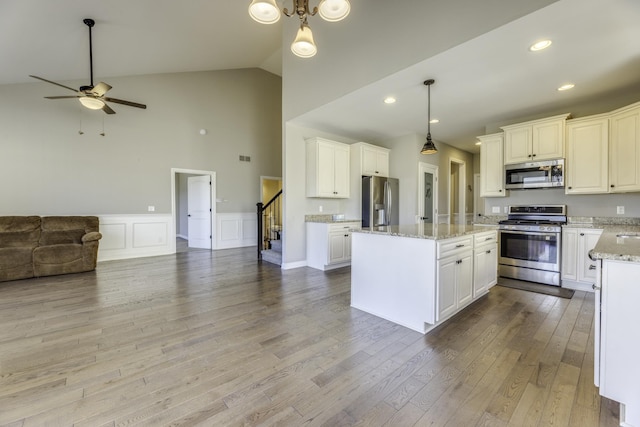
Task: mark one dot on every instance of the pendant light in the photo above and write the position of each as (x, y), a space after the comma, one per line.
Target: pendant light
(429, 147)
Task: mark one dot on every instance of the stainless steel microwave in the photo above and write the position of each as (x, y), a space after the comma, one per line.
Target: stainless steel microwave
(542, 174)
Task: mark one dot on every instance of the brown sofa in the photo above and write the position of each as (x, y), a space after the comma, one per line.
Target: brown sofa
(33, 246)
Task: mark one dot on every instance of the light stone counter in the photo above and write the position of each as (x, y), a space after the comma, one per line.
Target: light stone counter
(328, 219)
(426, 231)
(613, 247)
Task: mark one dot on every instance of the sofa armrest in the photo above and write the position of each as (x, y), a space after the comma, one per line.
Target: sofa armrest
(91, 236)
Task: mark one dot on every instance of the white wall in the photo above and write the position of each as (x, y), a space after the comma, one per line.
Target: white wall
(48, 168)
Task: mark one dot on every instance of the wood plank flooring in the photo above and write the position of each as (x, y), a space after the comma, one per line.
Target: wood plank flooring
(216, 339)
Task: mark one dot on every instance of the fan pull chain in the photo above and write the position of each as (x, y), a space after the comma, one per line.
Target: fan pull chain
(102, 133)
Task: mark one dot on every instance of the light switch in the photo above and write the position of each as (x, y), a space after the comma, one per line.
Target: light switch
(151, 208)
(620, 210)
(495, 209)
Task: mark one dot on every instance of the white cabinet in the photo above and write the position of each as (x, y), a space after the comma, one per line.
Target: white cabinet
(454, 275)
(624, 150)
(485, 262)
(327, 168)
(535, 140)
(587, 162)
(578, 270)
(370, 159)
(329, 244)
(616, 345)
(492, 165)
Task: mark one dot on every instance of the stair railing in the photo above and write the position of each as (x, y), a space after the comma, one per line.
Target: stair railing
(269, 222)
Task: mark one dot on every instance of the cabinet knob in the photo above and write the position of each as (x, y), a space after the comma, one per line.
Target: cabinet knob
(595, 288)
(582, 234)
(592, 267)
(460, 246)
(488, 252)
(612, 185)
(533, 155)
(500, 191)
(569, 188)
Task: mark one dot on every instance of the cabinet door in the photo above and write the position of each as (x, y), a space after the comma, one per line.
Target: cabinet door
(341, 172)
(517, 145)
(464, 279)
(337, 247)
(447, 295)
(547, 140)
(587, 162)
(326, 170)
(492, 266)
(485, 269)
(587, 240)
(624, 151)
(492, 166)
(570, 253)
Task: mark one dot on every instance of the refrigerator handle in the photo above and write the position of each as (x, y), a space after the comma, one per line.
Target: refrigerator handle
(388, 203)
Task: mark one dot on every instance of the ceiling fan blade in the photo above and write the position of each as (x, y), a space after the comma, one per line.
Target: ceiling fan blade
(62, 97)
(53, 83)
(100, 89)
(129, 103)
(108, 109)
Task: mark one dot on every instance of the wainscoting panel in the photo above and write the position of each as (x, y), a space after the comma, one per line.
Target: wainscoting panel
(235, 230)
(133, 236)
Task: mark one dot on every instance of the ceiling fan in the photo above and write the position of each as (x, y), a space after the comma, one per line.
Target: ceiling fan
(92, 96)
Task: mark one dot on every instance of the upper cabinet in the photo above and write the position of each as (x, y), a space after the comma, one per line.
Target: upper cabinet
(370, 159)
(624, 149)
(492, 165)
(535, 140)
(586, 165)
(327, 168)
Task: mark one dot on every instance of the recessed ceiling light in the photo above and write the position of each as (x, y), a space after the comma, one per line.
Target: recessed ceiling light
(566, 87)
(542, 44)
(434, 121)
(389, 100)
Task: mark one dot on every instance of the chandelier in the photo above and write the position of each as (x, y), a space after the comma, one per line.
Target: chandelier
(267, 12)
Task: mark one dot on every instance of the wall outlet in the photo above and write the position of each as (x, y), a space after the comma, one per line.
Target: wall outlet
(620, 210)
(495, 209)
(506, 209)
(320, 208)
(151, 208)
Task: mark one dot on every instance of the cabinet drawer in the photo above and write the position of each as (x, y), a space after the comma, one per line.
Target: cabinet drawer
(451, 246)
(344, 227)
(485, 237)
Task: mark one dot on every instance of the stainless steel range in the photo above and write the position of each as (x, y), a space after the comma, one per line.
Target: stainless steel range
(530, 243)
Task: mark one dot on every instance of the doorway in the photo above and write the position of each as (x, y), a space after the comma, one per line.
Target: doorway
(457, 185)
(193, 208)
(427, 193)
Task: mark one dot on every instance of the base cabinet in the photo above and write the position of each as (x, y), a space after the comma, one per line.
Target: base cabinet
(485, 262)
(578, 270)
(329, 245)
(454, 275)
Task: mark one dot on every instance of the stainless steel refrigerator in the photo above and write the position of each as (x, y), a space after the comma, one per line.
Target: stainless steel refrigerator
(380, 198)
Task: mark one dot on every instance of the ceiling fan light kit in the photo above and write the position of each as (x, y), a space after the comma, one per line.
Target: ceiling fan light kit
(267, 12)
(92, 96)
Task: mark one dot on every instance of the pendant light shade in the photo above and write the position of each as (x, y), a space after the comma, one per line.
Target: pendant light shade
(429, 147)
(91, 103)
(334, 10)
(264, 11)
(303, 46)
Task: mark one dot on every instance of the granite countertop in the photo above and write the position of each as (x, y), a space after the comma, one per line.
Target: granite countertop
(613, 247)
(426, 231)
(329, 218)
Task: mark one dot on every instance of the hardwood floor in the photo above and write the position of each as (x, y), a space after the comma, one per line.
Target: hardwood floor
(216, 339)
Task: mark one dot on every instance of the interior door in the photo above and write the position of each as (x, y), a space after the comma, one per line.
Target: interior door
(199, 211)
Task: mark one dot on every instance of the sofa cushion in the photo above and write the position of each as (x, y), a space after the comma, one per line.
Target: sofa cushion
(58, 259)
(19, 231)
(16, 263)
(61, 237)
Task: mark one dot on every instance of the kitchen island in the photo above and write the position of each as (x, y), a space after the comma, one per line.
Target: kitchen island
(420, 275)
(617, 341)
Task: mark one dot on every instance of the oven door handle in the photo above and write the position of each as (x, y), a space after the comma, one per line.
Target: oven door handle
(532, 233)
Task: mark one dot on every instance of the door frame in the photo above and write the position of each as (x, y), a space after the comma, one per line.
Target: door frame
(212, 176)
(423, 168)
(462, 185)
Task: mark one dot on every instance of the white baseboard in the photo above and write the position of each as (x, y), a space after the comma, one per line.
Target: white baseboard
(296, 264)
(577, 286)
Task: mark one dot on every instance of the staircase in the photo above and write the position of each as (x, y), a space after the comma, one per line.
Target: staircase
(274, 254)
(270, 230)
